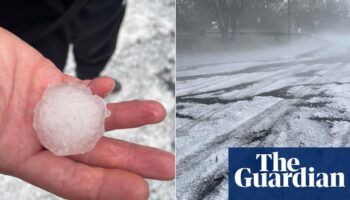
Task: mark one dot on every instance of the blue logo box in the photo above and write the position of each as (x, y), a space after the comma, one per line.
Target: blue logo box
(289, 173)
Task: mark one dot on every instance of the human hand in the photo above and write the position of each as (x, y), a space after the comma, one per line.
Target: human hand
(114, 169)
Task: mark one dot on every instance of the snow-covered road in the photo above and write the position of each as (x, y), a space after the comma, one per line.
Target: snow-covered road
(298, 95)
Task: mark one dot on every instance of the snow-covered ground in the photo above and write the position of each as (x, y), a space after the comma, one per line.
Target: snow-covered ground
(145, 65)
(294, 95)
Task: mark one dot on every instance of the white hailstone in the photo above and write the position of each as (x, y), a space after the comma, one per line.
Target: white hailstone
(69, 119)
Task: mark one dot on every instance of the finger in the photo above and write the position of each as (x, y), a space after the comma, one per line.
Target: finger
(102, 86)
(146, 161)
(73, 180)
(131, 114)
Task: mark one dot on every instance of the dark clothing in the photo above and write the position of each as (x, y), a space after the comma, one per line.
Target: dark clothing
(51, 25)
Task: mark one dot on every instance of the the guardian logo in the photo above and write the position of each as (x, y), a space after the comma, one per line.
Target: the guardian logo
(279, 172)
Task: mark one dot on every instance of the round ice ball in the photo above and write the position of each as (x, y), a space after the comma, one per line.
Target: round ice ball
(69, 119)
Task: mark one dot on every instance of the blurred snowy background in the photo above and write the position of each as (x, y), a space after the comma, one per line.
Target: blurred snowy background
(145, 64)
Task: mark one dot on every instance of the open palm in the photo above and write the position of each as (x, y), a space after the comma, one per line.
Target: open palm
(112, 170)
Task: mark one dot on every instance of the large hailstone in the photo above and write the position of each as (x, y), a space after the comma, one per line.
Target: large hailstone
(69, 119)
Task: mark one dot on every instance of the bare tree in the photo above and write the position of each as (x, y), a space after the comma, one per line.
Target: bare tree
(227, 13)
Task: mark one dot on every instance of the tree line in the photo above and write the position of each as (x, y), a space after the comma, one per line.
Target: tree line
(228, 17)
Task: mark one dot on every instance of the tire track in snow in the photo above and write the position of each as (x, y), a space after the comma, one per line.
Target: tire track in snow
(200, 188)
(207, 114)
(256, 68)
